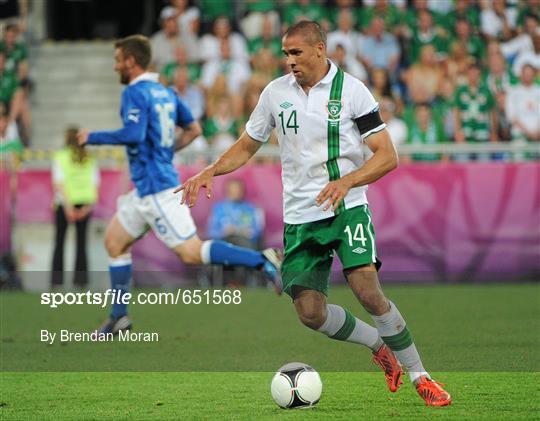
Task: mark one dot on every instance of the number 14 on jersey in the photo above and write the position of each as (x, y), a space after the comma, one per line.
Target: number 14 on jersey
(291, 122)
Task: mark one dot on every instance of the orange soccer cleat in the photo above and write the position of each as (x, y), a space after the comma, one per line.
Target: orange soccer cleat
(432, 392)
(385, 359)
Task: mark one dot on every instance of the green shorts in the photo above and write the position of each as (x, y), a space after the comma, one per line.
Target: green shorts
(309, 248)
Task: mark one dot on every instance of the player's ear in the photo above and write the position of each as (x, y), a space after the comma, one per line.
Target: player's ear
(130, 60)
(320, 49)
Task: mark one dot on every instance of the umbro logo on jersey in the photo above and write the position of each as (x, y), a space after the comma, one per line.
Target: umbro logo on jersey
(359, 250)
(286, 105)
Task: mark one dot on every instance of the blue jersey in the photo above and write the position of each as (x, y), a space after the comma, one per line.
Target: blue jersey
(150, 113)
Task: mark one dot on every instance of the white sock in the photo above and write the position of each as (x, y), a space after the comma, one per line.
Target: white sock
(341, 325)
(394, 332)
(205, 251)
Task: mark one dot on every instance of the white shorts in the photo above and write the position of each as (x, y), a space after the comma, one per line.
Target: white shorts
(162, 212)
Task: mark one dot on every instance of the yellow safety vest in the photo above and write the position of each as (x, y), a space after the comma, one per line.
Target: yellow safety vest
(79, 184)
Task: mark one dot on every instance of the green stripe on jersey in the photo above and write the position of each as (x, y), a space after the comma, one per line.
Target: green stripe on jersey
(400, 341)
(347, 328)
(333, 132)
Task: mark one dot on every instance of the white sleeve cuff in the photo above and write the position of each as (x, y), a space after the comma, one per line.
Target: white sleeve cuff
(375, 130)
(254, 136)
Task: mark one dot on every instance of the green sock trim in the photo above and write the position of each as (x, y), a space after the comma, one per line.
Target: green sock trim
(347, 328)
(400, 341)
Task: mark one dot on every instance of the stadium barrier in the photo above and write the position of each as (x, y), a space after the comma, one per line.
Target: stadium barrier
(434, 222)
(111, 157)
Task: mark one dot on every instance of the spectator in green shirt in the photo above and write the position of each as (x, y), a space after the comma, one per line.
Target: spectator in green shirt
(426, 33)
(497, 76)
(11, 147)
(475, 46)
(13, 98)
(181, 60)
(266, 40)
(392, 16)
(526, 7)
(418, 6)
(212, 9)
(260, 5)
(303, 10)
(221, 129)
(424, 129)
(464, 9)
(474, 104)
(16, 53)
(8, 83)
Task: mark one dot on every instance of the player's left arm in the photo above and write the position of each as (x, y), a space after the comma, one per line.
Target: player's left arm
(367, 119)
(189, 133)
(135, 118)
(384, 160)
(184, 119)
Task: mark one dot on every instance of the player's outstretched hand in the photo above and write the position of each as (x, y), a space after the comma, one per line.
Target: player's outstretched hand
(82, 136)
(190, 189)
(333, 193)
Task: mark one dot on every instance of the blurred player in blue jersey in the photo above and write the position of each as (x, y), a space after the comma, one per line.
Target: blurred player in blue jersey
(150, 113)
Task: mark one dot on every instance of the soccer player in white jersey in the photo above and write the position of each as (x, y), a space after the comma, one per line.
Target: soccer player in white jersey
(322, 116)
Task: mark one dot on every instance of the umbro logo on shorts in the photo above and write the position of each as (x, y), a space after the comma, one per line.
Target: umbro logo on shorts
(359, 250)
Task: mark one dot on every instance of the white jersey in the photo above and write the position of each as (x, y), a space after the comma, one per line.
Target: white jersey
(318, 138)
(523, 105)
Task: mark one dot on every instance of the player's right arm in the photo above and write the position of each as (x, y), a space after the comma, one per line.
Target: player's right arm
(135, 118)
(258, 128)
(232, 159)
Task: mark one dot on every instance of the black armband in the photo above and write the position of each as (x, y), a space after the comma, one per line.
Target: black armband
(368, 122)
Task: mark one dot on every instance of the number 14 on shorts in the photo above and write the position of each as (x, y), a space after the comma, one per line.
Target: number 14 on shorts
(358, 236)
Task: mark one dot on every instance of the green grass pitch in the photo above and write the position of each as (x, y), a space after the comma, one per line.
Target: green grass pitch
(216, 361)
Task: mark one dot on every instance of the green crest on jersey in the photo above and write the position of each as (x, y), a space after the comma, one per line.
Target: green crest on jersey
(286, 105)
(334, 107)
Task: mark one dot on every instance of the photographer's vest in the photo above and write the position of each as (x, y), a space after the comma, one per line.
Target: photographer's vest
(79, 178)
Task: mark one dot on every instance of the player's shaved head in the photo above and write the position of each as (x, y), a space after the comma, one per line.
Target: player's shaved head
(304, 45)
(137, 46)
(309, 30)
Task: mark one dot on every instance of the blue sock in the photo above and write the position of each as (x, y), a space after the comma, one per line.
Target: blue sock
(120, 273)
(222, 253)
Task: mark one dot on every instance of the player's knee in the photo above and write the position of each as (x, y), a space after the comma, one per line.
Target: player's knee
(191, 259)
(189, 252)
(311, 317)
(189, 256)
(113, 247)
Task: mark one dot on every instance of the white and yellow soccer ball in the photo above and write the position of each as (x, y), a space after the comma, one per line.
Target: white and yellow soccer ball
(296, 385)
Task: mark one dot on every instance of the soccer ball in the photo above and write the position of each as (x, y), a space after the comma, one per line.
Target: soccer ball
(296, 385)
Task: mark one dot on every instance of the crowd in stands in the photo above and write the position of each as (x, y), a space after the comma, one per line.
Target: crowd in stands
(14, 92)
(15, 122)
(442, 70)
